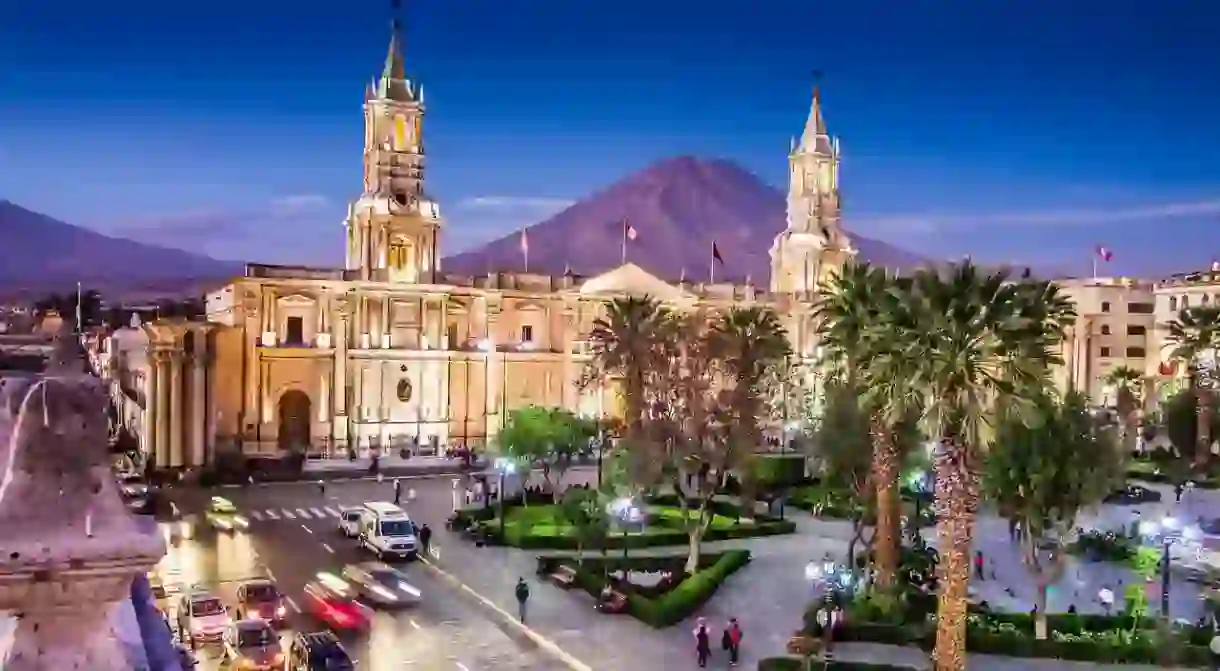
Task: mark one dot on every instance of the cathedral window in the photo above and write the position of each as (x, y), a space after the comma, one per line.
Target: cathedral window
(294, 332)
(398, 255)
(451, 336)
(527, 334)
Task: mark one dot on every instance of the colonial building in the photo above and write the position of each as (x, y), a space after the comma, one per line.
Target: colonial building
(1114, 328)
(390, 349)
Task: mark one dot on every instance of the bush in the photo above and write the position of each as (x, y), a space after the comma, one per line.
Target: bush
(680, 602)
(777, 471)
(797, 664)
(1097, 545)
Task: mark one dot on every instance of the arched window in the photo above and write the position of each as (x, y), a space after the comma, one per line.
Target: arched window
(188, 343)
(1173, 303)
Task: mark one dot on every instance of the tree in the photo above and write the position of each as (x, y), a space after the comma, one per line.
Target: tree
(540, 436)
(1043, 469)
(856, 329)
(975, 338)
(844, 446)
(1181, 420)
(1128, 387)
(626, 344)
(583, 509)
(1195, 337)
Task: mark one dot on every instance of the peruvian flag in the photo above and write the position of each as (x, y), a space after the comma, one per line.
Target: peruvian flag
(1104, 253)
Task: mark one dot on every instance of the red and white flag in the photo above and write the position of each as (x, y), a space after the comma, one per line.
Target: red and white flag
(1104, 253)
(629, 233)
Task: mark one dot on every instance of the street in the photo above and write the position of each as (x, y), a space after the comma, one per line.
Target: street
(294, 534)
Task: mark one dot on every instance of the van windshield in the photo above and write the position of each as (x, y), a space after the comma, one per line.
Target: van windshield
(397, 528)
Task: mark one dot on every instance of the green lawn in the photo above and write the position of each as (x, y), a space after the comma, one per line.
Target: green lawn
(546, 520)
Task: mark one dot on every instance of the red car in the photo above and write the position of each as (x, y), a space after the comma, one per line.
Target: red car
(333, 601)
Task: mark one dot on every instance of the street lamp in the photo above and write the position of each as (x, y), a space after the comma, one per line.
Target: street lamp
(627, 513)
(503, 467)
(1164, 529)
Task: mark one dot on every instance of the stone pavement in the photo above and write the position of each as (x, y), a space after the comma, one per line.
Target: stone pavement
(767, 597)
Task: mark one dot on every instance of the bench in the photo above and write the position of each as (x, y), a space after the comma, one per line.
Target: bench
(616, 602)
(564, 577)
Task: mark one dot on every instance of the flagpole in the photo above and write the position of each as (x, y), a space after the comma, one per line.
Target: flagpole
(525, 251)
(711, 268)
(624, 261)
(78, 324)
(1094, 266)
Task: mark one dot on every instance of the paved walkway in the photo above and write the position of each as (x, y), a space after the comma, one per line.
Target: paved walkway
(767, 597)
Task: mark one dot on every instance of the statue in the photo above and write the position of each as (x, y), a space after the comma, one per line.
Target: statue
(69, 548)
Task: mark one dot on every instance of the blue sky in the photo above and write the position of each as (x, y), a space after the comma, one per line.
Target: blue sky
(1026, 131)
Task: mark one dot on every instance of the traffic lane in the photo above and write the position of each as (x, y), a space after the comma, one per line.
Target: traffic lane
(447, 627)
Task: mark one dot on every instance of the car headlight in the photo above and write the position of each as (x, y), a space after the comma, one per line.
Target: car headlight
(281, 611)
(409, 589)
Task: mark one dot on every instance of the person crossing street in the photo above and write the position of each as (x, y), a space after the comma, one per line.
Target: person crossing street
(523, 597)
(397, 491)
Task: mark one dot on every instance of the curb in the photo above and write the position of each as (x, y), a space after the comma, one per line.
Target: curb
(542, 641)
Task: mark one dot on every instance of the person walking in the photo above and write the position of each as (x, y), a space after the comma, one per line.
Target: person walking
(523, 596)
(731, 640)
(978, 565)
(703, 646)
(321, 489)
(425, 539)
(397, 491)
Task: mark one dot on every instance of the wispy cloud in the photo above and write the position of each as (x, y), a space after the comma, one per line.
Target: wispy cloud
(1039, 218)
(203, 225)
(502, 203)
(479, 219)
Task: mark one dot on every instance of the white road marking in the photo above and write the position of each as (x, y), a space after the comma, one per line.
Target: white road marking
(462, 667)
(292, 604)
(256, 515)
(332, 512)
(304, 515)
(272, 514)
(317, 513)
(328, 548)
(306, 528)
(414, 623)
(289, 515)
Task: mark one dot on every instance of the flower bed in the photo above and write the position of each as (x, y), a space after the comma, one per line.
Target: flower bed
(654, 607)
(542, 527)
(825, 502)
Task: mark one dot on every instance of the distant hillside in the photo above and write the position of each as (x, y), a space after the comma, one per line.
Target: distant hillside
(38, 254)
(678, 207)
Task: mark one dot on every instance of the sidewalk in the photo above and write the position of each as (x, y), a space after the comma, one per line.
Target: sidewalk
(343, 468)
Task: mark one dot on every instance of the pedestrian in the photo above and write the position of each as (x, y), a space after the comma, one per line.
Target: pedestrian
(978, 565)
(397, 491)
(1177, 492)
(425, 538)
(411, 495)
(731, 640)
(321, 489)
(523, 596)
(703, 645)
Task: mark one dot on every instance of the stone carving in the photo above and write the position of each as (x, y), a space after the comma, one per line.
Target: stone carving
(68, 547)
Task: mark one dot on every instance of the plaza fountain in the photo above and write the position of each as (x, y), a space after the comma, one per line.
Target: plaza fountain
(69, 549)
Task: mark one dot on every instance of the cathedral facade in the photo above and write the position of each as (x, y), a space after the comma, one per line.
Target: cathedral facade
(390, 350)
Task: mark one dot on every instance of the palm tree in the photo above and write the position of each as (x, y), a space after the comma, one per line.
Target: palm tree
(976, 338)
(1128, 385)
(854, 327)
(1195, 334)
(627, 344)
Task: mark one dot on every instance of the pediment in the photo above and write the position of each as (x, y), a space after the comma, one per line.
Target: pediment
(298, 300)
(633, 280)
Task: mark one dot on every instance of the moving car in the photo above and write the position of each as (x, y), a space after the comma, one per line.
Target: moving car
(333, 601)
(349, 521)
(387, 531)
(261, 600)
(202, 618)
(253, 645)
(318, 651)
(381, 584)
(222, 515)
(1133, 494)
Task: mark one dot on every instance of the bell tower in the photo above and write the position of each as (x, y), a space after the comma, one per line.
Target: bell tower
(814, 243)
(393, 230)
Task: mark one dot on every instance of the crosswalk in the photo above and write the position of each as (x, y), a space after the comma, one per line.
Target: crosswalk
(275, 514)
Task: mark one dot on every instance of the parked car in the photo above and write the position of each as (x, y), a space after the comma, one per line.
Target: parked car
(318, 651)
(349, 522)
(381, 584)
(253, 645)
(222, 515)
(202, 618)
(261, 600)
(1132, 495)
(333, 601)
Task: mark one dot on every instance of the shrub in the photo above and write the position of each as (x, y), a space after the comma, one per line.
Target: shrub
(778, 471)
(797, 664)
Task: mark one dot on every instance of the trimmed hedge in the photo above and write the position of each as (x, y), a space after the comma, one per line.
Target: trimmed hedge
(798, 664)
(670, 608)
(778, 471)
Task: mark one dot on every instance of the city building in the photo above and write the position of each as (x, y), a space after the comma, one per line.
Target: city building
(390, 350)
(1114, 328)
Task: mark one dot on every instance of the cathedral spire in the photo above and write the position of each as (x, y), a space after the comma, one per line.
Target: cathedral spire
(816, 137)
(394, 84)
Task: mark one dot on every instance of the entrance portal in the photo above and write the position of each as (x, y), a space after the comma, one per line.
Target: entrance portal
(294, 430)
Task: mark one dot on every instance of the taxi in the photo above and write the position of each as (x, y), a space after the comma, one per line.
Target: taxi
(222, 515)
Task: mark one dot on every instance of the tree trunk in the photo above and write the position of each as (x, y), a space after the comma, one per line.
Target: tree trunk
(956, 501)
(692, 557)
(1203, 438)
(1040, 620)
(885, 542)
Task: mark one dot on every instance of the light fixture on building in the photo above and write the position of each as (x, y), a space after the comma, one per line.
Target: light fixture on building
(423, 342)
(485, 345)
(385, 341)
(364, 341)
(269, 339)
(322, 340)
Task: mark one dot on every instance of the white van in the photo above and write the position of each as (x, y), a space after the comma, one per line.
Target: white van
(349, 521)
(387, 531)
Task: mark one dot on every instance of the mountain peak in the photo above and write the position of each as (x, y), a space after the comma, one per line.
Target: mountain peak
(678, 206)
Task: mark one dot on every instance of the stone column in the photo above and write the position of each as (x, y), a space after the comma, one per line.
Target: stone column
(199, 423)
(162, 410)
(148, 428)
(569, 398)
(71, 549)
(494, 366)
(175, 410)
